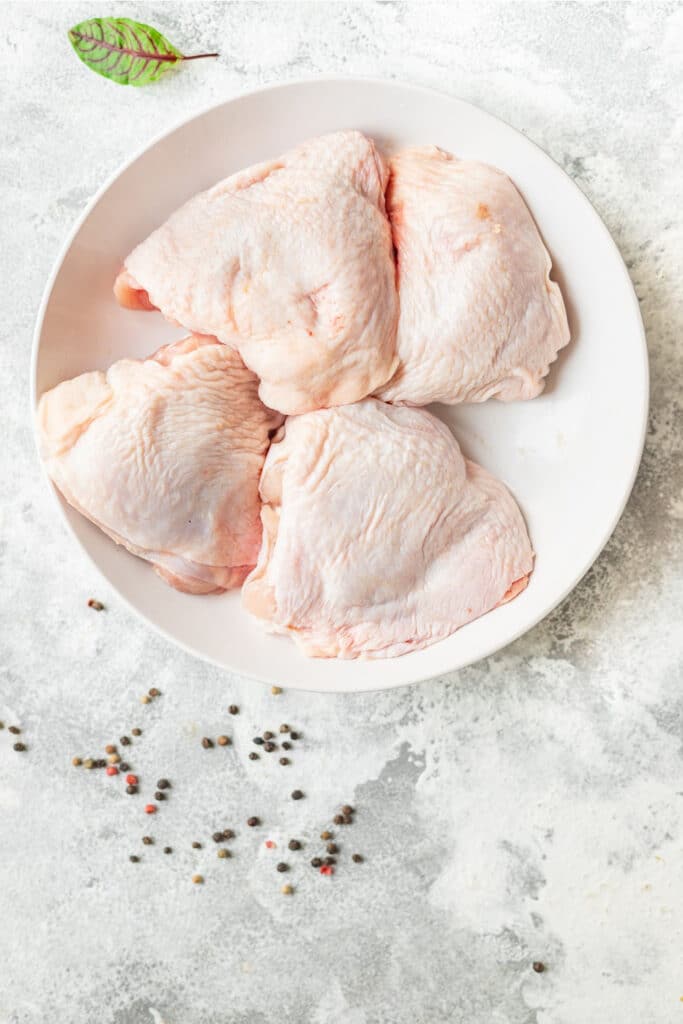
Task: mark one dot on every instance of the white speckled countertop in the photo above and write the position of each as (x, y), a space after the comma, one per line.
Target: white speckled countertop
(528, 808)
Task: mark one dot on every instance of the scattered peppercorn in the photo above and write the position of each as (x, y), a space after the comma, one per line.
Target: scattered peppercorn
(223, 853)
(270, 845)
(268, 735)
(101, 762)
(329, 860)
(124, 766)
(275, 690)
(270, 747)
(356, 858)
(228, 834)
(15, 730)
(217, 837)
(154, 692)
(88, 763)
(258, 740)
(136, 732)
(251, 822)
(338, 819)
(145, 699)
(295, 735)
(163, 784)
(332, 848)
(133, 858)
(294, 844)
(110, 748)
(112, 770)
(223, 741)
(284, 728)
(97, 606)
(130, 788)
(325, 835)
(286, 890)
(168, 849)
(124, 741)
(316, 862)
(346, 809)
(284, 760)
(297, 794)
(253, 756)
(327, 869)
(197, 879)
(286, 745)
(76, 761)
(150, 809)
(282, 867)
(147, 840)
(233, 709)
(538, 966)
(159, 795)
(113, 759)
(20, 747)
(196, 846)
(347, 820)
(207, 743)
(132, 780)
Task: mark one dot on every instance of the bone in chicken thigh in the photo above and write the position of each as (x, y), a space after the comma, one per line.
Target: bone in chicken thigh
(290, 262)
(165, 455)
(379, 538)
(480, 317)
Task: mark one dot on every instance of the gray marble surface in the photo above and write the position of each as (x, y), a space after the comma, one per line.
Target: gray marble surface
(528, 808)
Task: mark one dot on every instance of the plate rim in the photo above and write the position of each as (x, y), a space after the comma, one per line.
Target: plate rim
(401, 84)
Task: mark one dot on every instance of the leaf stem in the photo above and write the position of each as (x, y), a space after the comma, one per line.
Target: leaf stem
(200, 56)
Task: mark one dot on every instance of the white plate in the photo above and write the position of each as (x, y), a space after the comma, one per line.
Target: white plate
(570, 457)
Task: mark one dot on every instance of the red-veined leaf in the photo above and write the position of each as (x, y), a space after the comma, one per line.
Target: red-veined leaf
(125, 51)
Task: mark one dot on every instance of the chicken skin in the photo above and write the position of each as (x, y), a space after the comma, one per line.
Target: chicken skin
(480, 317)
(379, 538)
(291, 263)
(165, 455)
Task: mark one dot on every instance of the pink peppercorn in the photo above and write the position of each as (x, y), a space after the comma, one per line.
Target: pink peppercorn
(111, 770)
(150, 809)
(327, 869)
(132, 780)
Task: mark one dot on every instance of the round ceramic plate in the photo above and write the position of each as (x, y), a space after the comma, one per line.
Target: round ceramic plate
(570, 457)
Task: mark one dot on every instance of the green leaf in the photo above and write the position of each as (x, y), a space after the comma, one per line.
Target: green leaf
(125, 51)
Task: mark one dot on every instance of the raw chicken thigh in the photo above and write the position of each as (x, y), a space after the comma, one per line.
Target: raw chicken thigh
(291, 263)
(379, 538)
(480, 317)
(165, 455)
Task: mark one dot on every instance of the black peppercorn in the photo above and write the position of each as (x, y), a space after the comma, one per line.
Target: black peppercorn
(297, 795)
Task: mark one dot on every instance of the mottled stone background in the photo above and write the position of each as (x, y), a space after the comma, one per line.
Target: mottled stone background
(528, 808)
